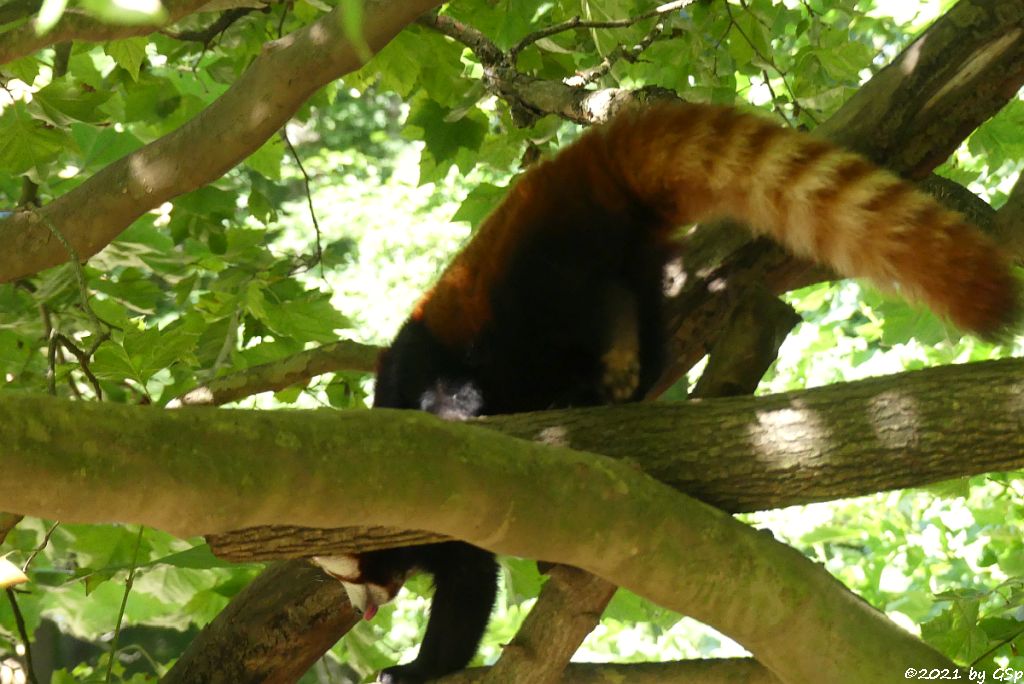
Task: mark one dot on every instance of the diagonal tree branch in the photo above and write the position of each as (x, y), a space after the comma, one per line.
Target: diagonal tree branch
(319, 613)
(24, 39)
(275, 85)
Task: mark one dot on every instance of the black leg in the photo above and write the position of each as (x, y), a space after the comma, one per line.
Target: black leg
(466, 583)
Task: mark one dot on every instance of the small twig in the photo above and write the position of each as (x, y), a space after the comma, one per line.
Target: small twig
(284, 15)
(124, 603)
(207, 35)
(775, 98)
(39, 549)
(630, 54)
(76, 264)
(19, 620)
(485, 50)
(309, 200)
(51, 366)
(577, 23)
(766, 59)
(83, 361)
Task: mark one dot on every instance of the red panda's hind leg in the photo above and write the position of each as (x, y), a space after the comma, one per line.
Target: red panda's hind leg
(621, 360)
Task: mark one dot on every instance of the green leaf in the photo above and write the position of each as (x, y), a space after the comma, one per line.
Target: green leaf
(129, 53)
(197, 558)
(267, 160)
(442, 137)
(311, 320)
(352, 24)
(261, 208)
(65, 100)
(27, 143)
(112, 362)
(844, 62)
(480, 201)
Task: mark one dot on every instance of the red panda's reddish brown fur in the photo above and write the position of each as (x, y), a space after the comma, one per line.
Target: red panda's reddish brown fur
(692, 163)
(557, 300)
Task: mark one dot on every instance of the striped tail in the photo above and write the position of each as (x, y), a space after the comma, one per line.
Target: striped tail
(700, 162)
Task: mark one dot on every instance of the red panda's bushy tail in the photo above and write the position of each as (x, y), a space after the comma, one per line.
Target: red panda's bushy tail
(699, 162)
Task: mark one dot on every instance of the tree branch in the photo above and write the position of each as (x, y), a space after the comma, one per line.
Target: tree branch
(287, 72)
(277, 375)
(567, 610)
(1009, 220)
(150, 466)
(318, 615)
(73, 25)
(746, 454)
(205, 36)
(578, 23)
(485, 50)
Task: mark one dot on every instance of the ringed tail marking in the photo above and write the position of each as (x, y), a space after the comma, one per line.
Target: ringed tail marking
(690, 163)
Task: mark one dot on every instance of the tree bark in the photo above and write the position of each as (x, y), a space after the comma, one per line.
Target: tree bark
(754, 453)
(198, 470)
(262, 100)
(267, 646)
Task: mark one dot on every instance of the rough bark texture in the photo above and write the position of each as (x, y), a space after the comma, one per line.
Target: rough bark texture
(273, 87)
(754, 453)
(196, 470)
(267, 646)
(568, 609)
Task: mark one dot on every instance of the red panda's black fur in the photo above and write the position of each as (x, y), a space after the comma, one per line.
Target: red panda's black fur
(556, 301)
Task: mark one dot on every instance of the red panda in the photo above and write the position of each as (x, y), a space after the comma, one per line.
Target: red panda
(556, 300)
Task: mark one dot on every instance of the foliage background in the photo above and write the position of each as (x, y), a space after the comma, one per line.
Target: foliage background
(400, 160)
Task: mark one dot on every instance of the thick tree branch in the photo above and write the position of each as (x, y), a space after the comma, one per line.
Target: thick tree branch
(8, 521)
(287, 72)
(195, 470)
(267, 646)
(567, 610)
(746, 454)
(932, 99)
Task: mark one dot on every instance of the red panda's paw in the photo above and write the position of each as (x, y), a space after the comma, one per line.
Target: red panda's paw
(621, 376)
